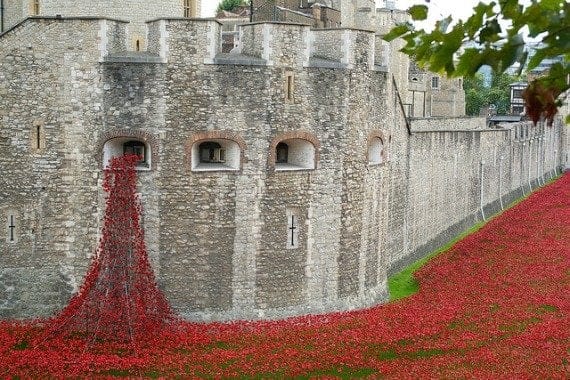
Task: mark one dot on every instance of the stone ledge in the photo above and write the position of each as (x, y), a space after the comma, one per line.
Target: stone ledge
(132, 57)
(326, 63)
(238, 59)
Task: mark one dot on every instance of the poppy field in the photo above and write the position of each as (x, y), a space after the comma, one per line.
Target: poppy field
(496, 305)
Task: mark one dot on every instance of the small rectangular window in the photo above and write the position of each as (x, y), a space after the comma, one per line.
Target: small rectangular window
(187, 8)
(35, 7)
(37, 137)
(289, 87)
(435, 82)
(517, 93)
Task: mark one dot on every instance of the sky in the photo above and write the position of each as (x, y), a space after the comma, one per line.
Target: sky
(438, 8)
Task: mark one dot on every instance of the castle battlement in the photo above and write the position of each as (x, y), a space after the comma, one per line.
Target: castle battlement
(199, 41)
(97, 37)
(267, 43)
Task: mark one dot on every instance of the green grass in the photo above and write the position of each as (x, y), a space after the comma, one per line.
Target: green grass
(404, 284)
(339, 373)
(22, 345)
(391, 354)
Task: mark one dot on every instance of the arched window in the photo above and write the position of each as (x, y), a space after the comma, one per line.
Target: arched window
(294, 154)
(128, 145)
(216, 155)
(376, 153)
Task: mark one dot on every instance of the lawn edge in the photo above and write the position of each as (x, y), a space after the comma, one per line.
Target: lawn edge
(404, 284)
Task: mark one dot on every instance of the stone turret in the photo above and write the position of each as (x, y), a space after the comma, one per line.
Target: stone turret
(356, 13)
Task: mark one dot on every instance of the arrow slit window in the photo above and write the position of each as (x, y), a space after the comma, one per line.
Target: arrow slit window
(11, 228)
(292, 229)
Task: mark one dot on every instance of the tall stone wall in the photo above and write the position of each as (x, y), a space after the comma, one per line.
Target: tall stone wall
(267, 277)
(50, 96)
(460, 177)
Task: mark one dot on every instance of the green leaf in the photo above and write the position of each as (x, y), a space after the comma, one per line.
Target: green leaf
(511, 8)
(535, 19)
(475, 22)
(490, 33)
(418, 12)
(552, 5)
(511, 51)
(538, 56)
(469, 62)
(522, 62)
(397, 31)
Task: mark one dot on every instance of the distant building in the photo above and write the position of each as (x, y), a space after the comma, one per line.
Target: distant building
(432, 95)
(517, 101)
(318, 14)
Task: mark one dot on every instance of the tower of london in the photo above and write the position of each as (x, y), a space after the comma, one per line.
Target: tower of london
(289, 176)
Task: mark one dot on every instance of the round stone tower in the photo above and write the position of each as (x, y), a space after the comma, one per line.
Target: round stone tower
(134, 11)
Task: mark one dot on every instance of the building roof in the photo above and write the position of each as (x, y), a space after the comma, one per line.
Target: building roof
(505, 118)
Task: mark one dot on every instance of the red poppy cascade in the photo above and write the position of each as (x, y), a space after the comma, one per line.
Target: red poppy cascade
(119, 299)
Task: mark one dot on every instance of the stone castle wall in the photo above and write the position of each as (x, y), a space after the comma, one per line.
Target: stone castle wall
(462, 176)
(218, 238)
(134, 11)
(54, 88)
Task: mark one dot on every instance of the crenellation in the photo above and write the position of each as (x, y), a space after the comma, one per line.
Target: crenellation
(202, 38)
(327, 44)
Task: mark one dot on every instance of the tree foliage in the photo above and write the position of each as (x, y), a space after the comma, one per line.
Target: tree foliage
(475, 98)
(495, 35)
(230, 5)
(479, 95)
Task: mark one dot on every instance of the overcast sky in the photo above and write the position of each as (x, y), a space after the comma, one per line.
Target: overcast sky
(438, 8)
